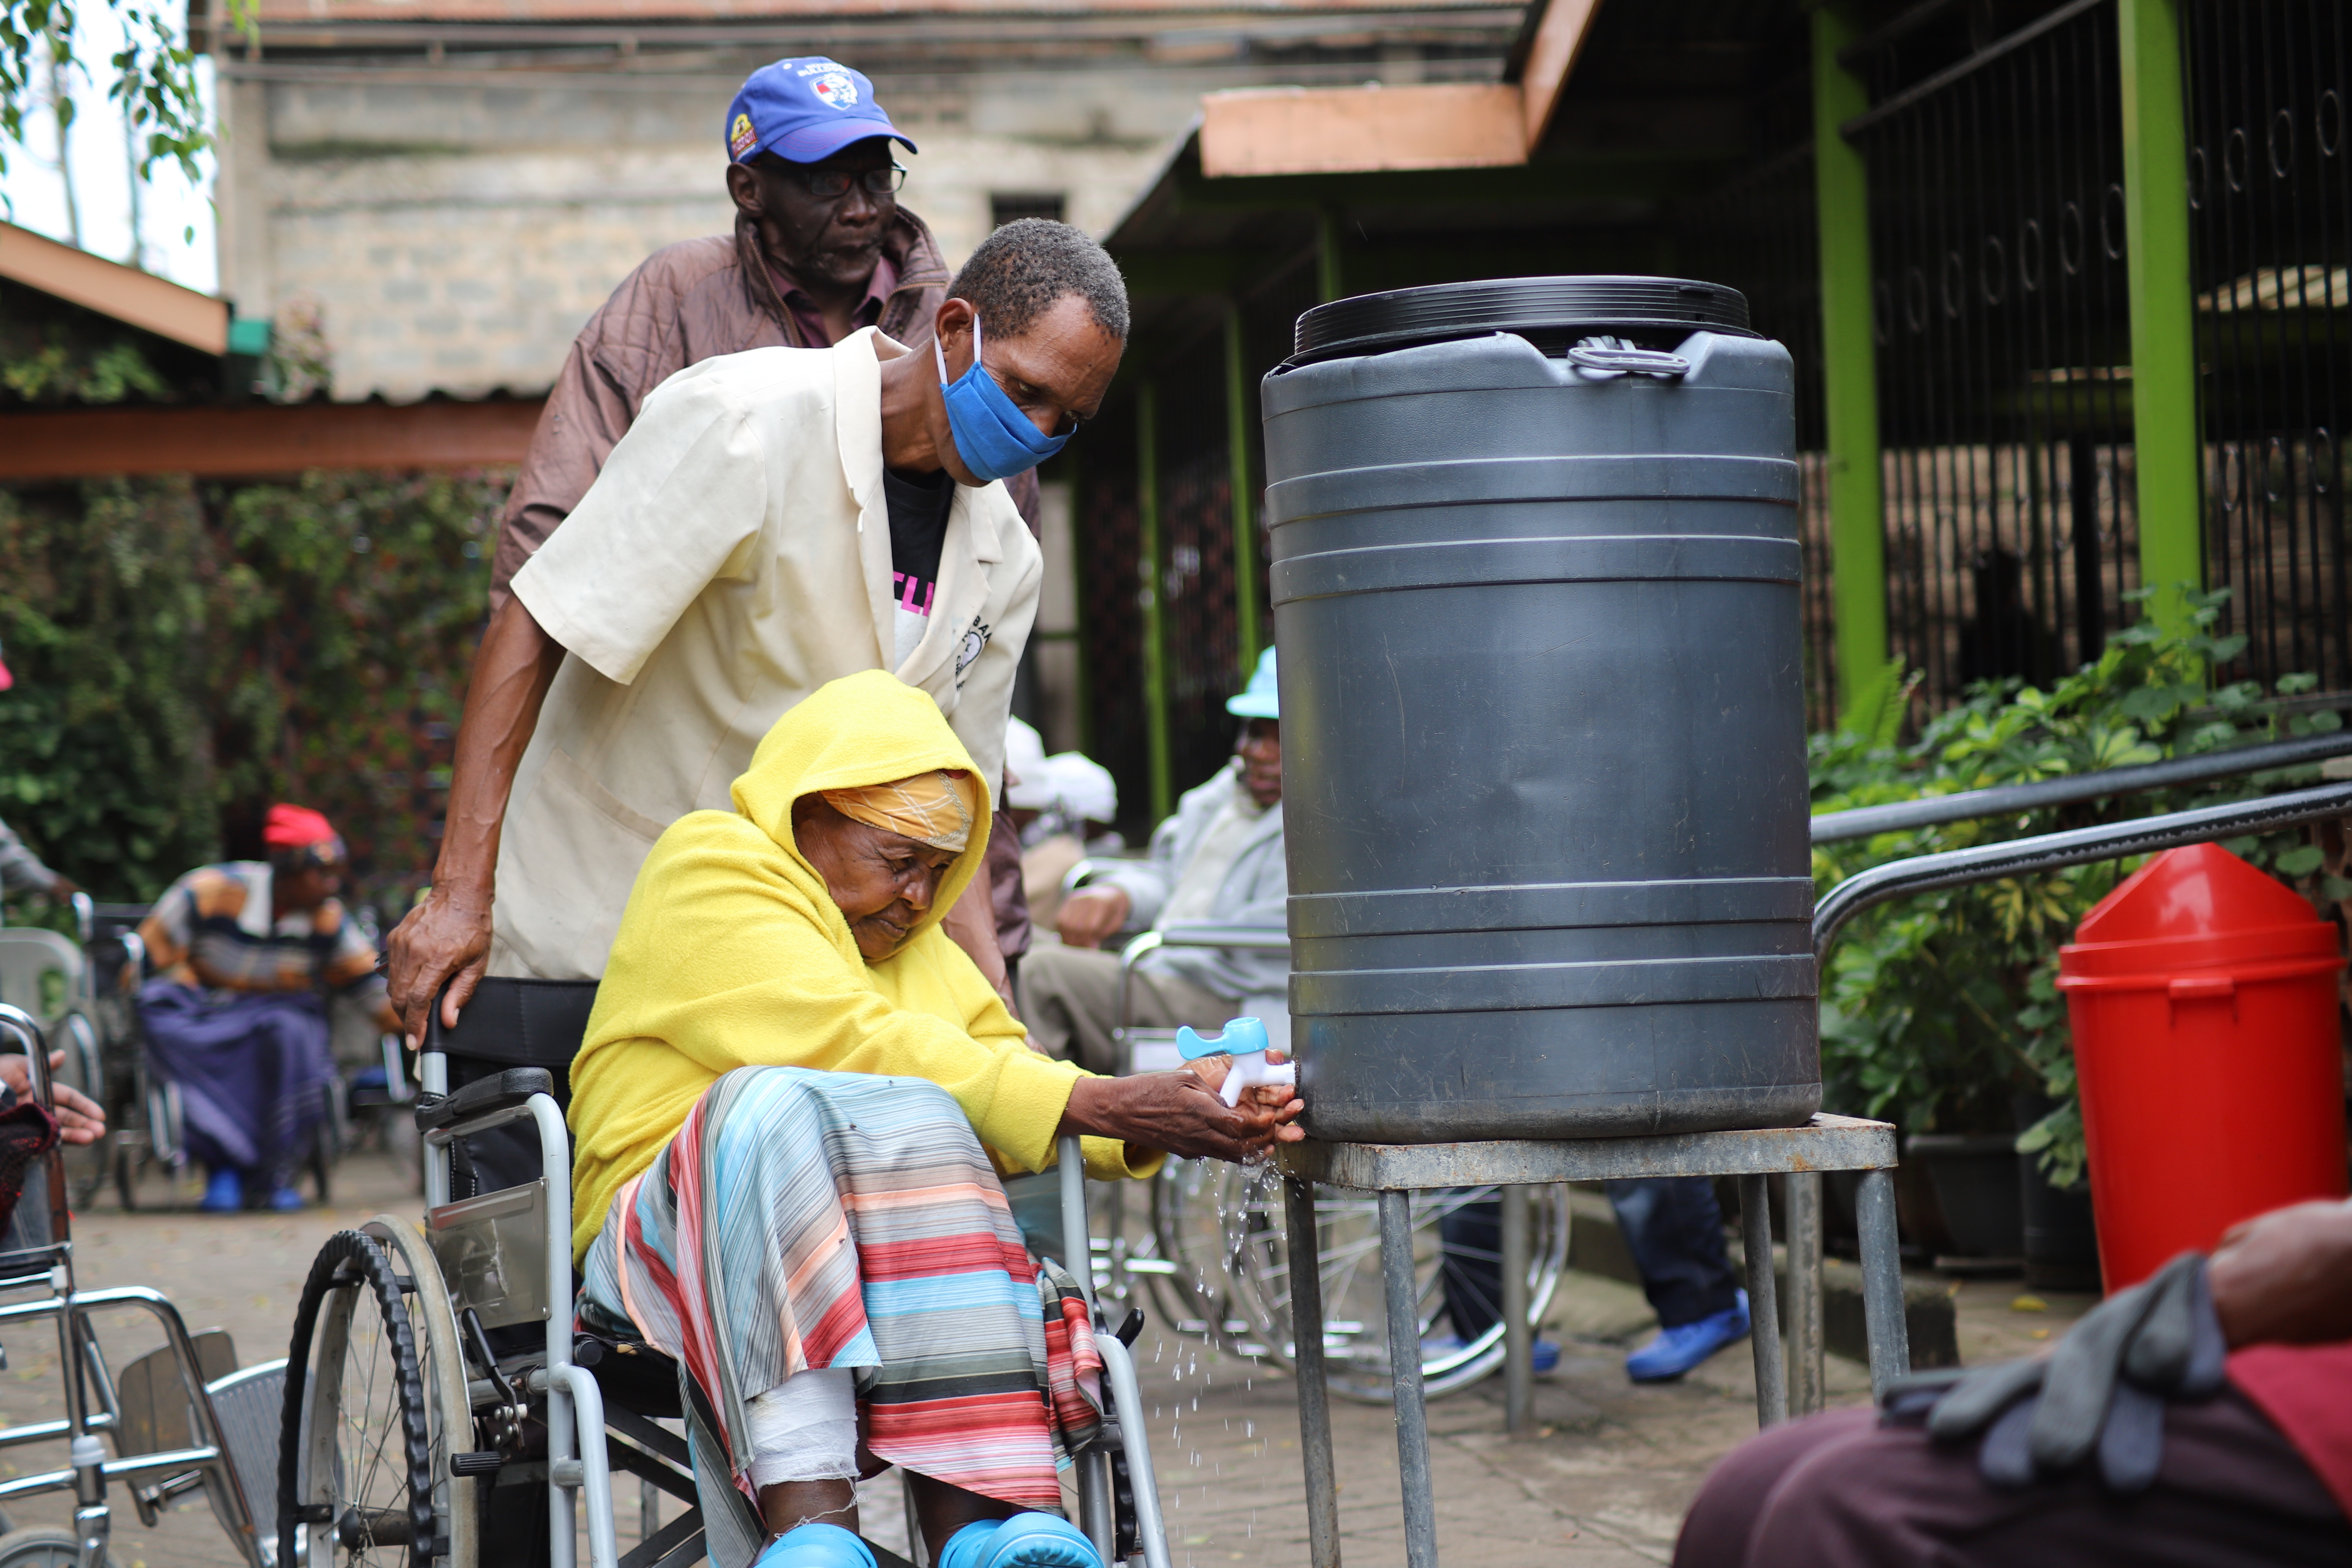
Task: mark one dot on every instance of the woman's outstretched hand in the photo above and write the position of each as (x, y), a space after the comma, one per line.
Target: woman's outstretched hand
(1179, 1113)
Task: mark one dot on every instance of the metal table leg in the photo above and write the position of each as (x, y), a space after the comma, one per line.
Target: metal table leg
(1763, 1309)
(1806, 1393)
(1519, 1334)
(1314, 1396)
(1882, 1308)
(1404, 1364)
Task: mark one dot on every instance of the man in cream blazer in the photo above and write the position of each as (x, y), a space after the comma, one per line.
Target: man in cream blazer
(735, 553)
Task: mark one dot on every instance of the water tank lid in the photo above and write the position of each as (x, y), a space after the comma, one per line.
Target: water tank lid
(1373, 324)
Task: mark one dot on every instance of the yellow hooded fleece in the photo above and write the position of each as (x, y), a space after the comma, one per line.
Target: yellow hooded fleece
(732, 953)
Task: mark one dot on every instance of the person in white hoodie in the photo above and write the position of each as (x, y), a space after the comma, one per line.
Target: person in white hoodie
(1220, 859)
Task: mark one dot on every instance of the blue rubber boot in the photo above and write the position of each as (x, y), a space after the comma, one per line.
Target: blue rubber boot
(225, 1194)
(1677, 1349)
(285, 1200)
(816, 1546)
(1024, 1540)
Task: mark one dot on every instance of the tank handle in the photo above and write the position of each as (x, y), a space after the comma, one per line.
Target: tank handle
(1613, 358)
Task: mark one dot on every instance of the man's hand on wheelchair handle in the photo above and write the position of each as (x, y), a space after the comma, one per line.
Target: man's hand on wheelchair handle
(1179, 1113)
(80, 1120)
(1090, 915)
(445, 939)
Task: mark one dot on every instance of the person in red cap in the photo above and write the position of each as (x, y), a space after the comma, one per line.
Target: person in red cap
(244, 954)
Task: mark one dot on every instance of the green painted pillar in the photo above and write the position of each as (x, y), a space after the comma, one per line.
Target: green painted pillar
(1857, 485)
(1237, 443)
(2168, 453)
(1149, 567)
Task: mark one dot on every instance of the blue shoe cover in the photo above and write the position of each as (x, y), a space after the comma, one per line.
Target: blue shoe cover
(225, 1194)
(816, 1545)
(286, 1200)
(1024, 1540)
(1678, 1349)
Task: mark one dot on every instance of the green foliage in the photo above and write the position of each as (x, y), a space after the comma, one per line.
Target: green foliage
(152, 75)
(1940, 1011)
(184, 656)
(53, 370)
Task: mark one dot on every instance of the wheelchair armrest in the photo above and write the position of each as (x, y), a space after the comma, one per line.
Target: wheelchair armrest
(1212, 934)
(483, 1097)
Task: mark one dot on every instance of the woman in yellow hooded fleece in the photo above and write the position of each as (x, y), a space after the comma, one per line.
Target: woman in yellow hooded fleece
(793, 1104)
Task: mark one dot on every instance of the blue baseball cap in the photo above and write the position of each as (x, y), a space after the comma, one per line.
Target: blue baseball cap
(804, 110)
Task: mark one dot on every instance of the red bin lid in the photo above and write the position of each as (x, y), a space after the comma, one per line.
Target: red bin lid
(2196, 909)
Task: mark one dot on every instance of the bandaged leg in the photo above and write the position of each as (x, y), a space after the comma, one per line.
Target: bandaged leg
(805, 1429)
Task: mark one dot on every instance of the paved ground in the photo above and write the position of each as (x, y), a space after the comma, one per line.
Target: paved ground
(1603, 1480)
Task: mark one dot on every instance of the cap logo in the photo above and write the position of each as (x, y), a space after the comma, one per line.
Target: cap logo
(740, 136)
(834, 90)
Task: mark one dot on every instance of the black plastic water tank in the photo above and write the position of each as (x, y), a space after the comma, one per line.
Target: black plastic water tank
(1536, 585)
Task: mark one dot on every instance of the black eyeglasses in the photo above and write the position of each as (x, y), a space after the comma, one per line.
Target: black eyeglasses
(832, 184)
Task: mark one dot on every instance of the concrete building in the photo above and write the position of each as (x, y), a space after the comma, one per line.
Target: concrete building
(450, 187)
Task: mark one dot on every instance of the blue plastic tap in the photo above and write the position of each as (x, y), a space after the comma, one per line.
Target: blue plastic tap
(1245, 1040)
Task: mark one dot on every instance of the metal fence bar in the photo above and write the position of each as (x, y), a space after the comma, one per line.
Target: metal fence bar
(1836, 827)
(2049, 851)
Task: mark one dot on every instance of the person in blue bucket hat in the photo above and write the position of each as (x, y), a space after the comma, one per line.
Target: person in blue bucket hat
(1219, 858)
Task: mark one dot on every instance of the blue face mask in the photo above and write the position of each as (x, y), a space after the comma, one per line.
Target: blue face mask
(993, 437)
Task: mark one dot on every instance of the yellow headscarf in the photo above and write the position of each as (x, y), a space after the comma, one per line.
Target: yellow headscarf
(937, 808)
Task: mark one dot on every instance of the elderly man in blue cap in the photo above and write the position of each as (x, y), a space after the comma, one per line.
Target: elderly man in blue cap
(1219, 858)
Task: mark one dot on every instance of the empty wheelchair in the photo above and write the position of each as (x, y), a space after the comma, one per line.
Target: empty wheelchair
(183, 1418)
(437, 1387)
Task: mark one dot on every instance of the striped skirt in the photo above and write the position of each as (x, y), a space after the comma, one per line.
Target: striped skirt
(815, 1219)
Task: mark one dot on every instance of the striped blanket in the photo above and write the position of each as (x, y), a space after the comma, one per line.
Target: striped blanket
(815, 1219)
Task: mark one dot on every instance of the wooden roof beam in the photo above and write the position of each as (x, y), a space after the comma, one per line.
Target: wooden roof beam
(134, 298)
(1379, 129)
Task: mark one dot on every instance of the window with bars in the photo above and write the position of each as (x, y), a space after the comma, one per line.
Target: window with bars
(2001, 314)
(1005, 206)
(2270, 197)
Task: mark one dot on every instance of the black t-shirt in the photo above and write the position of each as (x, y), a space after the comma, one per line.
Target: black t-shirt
(918, 507)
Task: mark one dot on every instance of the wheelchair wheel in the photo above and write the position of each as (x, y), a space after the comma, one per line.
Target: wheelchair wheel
(84, 1069)
(44, 1546)
(441, 1369)
(1202, 1211)
(355, 1479)
(1355, 1317)
(150, 1165)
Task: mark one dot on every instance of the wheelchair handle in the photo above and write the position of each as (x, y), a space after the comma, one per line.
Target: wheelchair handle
(18, 1022)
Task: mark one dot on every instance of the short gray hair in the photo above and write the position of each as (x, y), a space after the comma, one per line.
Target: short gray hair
(1021, 270)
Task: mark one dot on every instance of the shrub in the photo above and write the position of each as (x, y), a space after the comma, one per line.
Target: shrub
(1939, 1010)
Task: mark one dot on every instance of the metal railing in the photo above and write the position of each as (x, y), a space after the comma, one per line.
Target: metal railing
(2049, 851)
(2003, 800)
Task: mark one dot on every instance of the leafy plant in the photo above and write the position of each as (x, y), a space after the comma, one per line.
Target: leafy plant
(185, 655)
(1940, 1011)
(153, 74)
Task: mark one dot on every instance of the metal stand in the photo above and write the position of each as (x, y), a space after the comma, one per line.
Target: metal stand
(1395, 1171)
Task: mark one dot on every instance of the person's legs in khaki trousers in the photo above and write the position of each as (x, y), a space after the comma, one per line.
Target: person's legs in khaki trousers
(1069, 999)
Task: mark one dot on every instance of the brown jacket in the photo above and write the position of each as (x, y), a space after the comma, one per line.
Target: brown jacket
(686, 303)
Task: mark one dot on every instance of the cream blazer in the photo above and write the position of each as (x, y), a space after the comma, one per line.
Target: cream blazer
(732, 556)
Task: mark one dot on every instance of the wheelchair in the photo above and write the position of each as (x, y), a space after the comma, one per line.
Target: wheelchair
(182, 1418)
(1217, 1257)
(146, 1151)
(435, 1365)
(65, 988)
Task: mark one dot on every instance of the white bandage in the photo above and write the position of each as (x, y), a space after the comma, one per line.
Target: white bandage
(805, 1429)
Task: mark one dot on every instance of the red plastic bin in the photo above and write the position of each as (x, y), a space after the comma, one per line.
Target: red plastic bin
(2203, 998)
